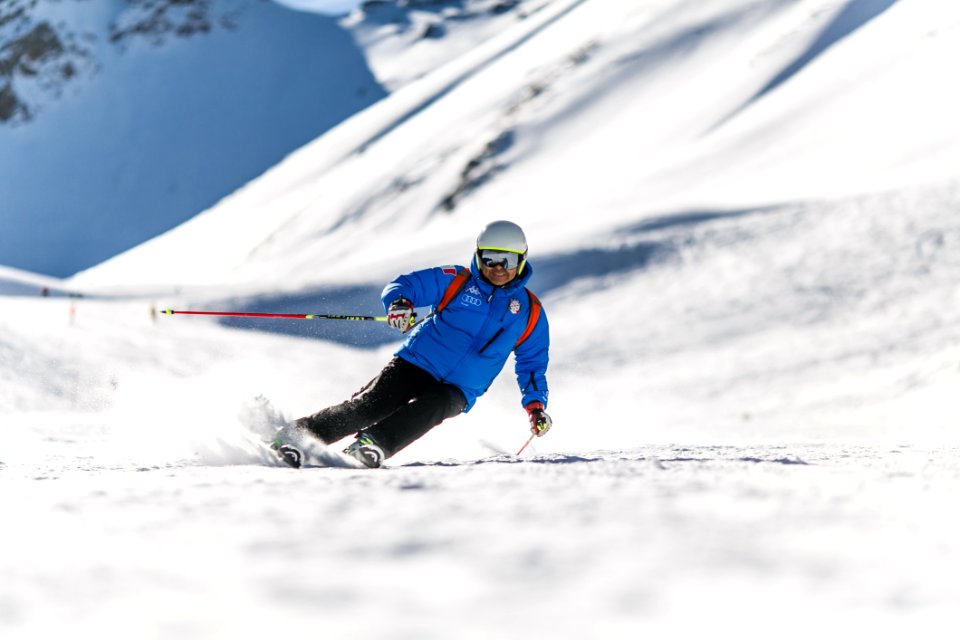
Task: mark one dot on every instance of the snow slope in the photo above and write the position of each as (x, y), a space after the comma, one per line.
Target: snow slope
(743, 221)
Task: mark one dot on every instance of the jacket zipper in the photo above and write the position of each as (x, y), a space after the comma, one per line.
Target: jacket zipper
(464, 355)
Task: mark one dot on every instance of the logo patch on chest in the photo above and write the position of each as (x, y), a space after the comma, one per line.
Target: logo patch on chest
(514, 306)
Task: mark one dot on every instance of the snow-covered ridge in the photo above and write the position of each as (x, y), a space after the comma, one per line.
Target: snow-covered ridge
(18, 282)
(405, 40)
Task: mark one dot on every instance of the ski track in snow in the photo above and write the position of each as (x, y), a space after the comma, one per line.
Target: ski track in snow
(675, 539)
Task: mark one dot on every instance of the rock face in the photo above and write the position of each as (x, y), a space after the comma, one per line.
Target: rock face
(34, 52)
(160, 19)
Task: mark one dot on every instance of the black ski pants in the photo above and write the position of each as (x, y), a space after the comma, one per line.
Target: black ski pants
(395, 408)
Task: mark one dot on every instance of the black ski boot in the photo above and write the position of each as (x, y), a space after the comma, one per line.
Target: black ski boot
(367, 451)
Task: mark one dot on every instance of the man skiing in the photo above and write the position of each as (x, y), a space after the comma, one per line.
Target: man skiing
(480, 316)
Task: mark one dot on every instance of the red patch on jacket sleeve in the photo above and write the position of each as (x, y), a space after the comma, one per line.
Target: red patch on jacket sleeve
(450, 271)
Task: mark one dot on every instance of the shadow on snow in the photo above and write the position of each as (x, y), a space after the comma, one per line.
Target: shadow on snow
(639, 246)
(856, 14)
(609, 456)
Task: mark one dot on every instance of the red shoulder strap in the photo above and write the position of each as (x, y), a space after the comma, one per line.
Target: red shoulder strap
(457, 284)
(453, 289)
(535, 307)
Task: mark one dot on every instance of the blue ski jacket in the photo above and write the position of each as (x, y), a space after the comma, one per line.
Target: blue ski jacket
(468, 342)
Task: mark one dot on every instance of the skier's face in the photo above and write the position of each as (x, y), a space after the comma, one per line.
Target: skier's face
(498, 275)
(499, 266)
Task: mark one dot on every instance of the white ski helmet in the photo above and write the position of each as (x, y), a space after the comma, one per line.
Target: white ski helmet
(503, 235)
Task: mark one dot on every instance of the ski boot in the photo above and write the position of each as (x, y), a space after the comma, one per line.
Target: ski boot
(291, 455)
(288, 443)
(366, 450)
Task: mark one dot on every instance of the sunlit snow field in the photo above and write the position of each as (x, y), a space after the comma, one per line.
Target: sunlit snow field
(743, 224)
(667, 539)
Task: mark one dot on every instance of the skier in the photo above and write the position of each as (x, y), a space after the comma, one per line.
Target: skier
(480, 316)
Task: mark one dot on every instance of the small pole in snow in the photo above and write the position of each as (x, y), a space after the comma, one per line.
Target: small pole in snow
(529, 440)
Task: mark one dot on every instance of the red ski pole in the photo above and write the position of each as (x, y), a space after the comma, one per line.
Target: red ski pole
(529, 440)
(293, 316)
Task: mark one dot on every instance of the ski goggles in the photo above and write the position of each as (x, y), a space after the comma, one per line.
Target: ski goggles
(506, 259)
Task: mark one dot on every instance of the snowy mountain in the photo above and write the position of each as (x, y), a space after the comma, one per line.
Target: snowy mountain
(742, 217)
(121, 119)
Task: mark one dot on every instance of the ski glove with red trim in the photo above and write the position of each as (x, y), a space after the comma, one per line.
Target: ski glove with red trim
(400, 314)
(540, 422)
